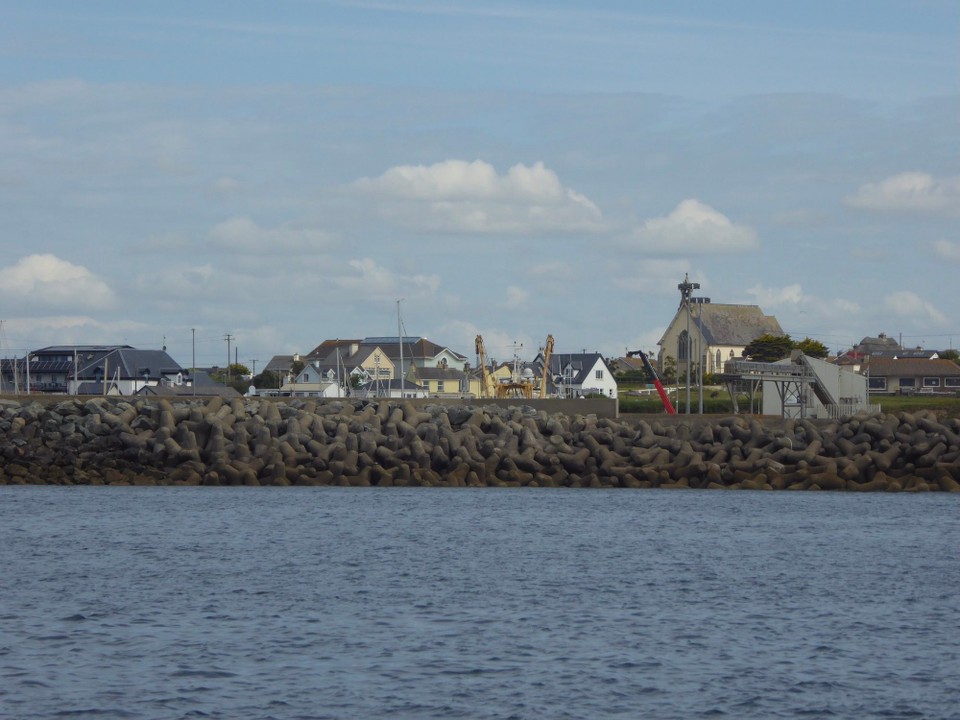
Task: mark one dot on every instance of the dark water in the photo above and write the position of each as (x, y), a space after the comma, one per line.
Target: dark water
(397, 603)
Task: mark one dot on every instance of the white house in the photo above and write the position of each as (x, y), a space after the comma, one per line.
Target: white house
(579, 375)
(314, 381)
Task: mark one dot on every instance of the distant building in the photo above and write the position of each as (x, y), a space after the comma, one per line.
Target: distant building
(911, 375)
(413, 351)
(92, 369)
(575, 375)
(714, 331)
(442, 382)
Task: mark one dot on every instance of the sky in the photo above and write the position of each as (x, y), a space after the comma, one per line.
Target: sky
(241, 179)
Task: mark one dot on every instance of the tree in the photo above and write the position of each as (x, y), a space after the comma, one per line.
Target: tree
(812, 348)
(267, 379)
(951, 355)
(237, 377)
(296, 367)
(769, 348)
(668, 373)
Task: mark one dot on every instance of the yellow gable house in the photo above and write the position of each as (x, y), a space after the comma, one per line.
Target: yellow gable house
(371, 364)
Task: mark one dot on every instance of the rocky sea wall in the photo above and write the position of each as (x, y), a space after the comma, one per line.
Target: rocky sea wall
(118, 441)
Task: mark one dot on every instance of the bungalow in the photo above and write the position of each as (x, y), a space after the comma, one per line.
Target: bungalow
(906, 376)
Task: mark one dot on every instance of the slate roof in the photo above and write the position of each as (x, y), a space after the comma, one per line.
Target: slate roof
(279, 364)
(429, 373)
(880, 344)
(329, 347)
(736, 325)
(910, 367)
(132, 363)
(580, 363)
(227, 393)
(414, 348)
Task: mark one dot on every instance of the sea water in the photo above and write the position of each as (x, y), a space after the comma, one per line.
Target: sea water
(477, 603)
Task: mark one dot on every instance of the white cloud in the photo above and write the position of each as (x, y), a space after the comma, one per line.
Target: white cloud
(47, 282)
(470, 197)
(516, 297)
(946, 250)
(72, 330)
(243, 235)
(909, 192)
(774, 297)
(907, 304)
(694, 227)
(554, 270)
(226, 185)
(377, 283)
(655, 276)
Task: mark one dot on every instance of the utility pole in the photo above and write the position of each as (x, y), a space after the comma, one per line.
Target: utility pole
(228, 337)
(193, 360)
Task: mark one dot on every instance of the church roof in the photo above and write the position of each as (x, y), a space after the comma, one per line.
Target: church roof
(736, 325)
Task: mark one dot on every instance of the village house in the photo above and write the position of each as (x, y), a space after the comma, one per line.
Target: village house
(573, 375)
(92, 370)
(906, 376)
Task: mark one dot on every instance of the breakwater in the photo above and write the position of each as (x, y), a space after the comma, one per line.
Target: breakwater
(386, 443)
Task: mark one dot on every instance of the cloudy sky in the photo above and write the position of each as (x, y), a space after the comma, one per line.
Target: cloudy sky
(284, 172)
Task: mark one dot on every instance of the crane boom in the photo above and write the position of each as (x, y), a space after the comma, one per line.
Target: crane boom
(489, 390)
(655, 379)
(547, 351)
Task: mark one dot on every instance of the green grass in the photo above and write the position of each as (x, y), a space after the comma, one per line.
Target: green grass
(717, 401)
(944, 406)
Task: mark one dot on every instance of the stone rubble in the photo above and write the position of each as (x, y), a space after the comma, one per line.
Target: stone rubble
(118, 441)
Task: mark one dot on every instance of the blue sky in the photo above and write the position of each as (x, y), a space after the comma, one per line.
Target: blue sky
(284, 172)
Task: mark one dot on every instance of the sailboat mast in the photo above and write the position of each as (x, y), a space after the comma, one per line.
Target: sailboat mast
(400, 338)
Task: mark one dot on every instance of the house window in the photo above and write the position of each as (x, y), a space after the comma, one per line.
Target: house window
(907, 383)
(931, 382)
(306, 377)
(683, 346)
(599, 375)
(878, 383)
(951, 382)
(719, 360)
(439, 386)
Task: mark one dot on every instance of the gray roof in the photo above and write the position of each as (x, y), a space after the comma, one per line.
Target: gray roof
(736, 325)
(579, 364)
(279, 363)
(429, 373)
(879, 344)
(414, 349)
(906, 367)
(185, 391)
(131, 363)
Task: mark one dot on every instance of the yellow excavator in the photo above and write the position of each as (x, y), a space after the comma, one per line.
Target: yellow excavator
(518, 387)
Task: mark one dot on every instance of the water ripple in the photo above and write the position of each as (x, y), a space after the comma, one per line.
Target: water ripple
(330, 603)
